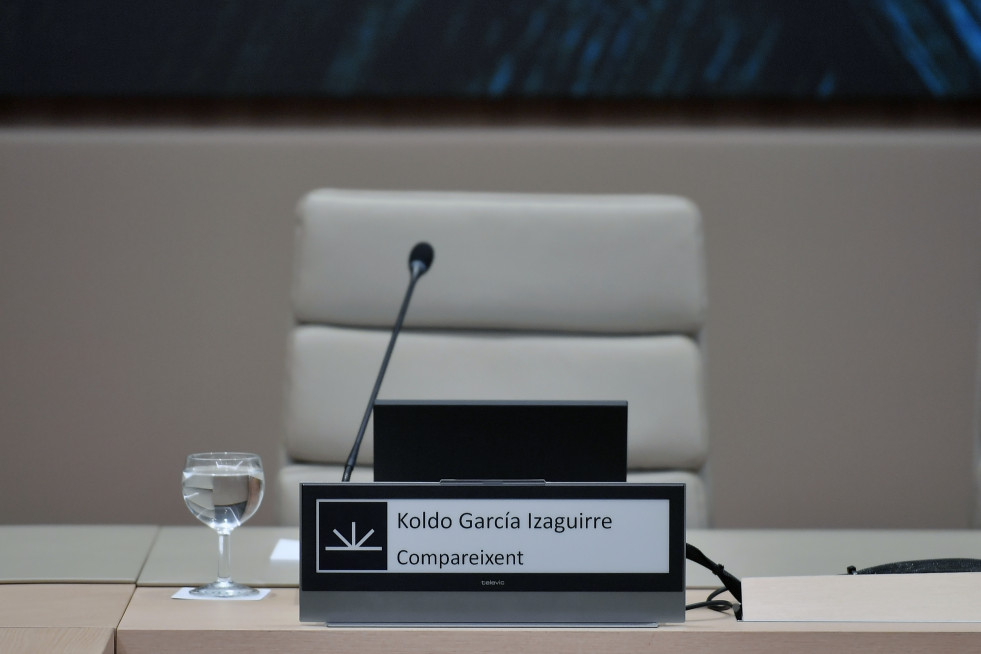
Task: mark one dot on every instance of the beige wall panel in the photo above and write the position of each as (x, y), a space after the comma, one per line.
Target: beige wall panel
(144, 280)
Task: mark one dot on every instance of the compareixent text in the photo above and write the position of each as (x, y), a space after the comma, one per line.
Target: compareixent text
(442, 559)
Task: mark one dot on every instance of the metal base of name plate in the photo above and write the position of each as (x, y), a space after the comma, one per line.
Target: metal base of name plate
(525, 609)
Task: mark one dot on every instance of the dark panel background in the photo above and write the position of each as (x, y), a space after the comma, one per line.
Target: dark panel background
(493, 49)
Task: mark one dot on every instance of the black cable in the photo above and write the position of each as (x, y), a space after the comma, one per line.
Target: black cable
(729, 581)
(715, 604)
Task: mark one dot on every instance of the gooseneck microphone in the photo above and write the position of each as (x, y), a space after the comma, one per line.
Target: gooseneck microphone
(420, 260)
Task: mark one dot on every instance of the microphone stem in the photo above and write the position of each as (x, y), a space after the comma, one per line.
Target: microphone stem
(352, 458)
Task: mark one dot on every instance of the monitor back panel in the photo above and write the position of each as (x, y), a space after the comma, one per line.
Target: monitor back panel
(552, 441)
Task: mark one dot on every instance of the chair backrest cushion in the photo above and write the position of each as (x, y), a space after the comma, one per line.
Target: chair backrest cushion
(659, 377)
(611, 264)
(549, 297)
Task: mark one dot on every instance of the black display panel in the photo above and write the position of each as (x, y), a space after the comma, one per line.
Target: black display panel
(549, 441)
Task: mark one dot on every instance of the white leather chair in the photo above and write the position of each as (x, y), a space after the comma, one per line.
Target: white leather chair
(544, 297)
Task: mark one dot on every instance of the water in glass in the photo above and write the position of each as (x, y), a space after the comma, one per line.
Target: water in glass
(223, 490)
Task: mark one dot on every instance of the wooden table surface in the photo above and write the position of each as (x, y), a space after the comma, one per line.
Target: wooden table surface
(83, 617)
(156, 623)
(55, 618)
(187, 555)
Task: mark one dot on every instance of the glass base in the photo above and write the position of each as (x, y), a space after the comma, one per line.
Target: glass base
(223, 589)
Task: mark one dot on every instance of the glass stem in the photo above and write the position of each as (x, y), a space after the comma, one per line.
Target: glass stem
(224, 557)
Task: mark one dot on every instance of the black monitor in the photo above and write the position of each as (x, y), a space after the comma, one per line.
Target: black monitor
(555, 441)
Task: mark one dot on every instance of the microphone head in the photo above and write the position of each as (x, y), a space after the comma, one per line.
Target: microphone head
(421, 257)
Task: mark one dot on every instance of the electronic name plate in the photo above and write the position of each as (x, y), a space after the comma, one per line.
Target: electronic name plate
(479, 553)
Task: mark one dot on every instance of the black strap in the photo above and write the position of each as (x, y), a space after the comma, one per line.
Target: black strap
(921, 566)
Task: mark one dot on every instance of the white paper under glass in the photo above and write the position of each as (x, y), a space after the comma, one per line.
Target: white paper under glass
(223, 490)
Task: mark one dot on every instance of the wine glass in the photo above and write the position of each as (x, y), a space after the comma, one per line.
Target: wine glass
(223, 490)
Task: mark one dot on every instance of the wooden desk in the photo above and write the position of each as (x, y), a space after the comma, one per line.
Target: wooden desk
(184, 556)
(801, 552)
(75, 618)
(74, 553)
(64, 588)
(188, 556)
(172, 556)
(155, 623)
(56, 640)
(82, 617)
